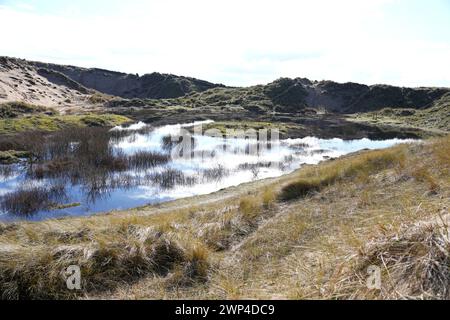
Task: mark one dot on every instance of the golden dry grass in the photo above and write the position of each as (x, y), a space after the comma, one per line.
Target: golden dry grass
(387, 208)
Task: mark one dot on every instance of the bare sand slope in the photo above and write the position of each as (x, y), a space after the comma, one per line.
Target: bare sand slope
(20, 81)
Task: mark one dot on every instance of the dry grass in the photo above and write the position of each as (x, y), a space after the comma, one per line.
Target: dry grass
(268, 198)
(373, 208)
(422, 174)
(415, 263)
(250, 207)
(441, 152)
(357, 168)
(105, 262)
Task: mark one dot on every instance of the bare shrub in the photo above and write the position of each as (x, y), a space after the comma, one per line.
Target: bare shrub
(147, 159)
(26, 201)
(215, 174)
(168, 178)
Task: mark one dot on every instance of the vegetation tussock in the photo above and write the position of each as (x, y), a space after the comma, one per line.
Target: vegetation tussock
(16, 109)
(360, 167)
(416, 262)
(310, 234)
(19, 117)
(105, 264)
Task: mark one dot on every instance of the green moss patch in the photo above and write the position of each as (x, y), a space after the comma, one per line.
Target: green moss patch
(12, 156)
(11, 110)
(53, 123)
(245, 125)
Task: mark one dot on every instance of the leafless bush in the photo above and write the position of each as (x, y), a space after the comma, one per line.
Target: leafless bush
(26, 201)
(250, 166)
(168, 178)
(147, 159)
(215, 174)
(6, 171)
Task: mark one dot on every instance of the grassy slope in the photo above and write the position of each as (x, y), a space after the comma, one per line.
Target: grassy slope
(383, 208)
(435, 119)
(232, 106)
(52, 123)
(19, 116)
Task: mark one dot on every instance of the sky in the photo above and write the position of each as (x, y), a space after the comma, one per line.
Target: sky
(239, 42)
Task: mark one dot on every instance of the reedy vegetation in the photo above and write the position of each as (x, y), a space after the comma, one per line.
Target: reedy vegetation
(310, 234)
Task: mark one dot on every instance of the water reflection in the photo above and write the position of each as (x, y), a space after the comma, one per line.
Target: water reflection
(89, 170)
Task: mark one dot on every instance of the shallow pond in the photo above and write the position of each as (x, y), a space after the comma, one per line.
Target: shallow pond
(91, 171)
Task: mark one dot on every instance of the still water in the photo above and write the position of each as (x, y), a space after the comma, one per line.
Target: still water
(214, 163)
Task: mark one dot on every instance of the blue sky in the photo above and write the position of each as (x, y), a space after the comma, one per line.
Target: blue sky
(235, 42)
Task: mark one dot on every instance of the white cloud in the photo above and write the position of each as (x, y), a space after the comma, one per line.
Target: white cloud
(234, 42)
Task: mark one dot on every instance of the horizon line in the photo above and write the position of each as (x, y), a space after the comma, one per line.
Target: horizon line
(218, 83)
